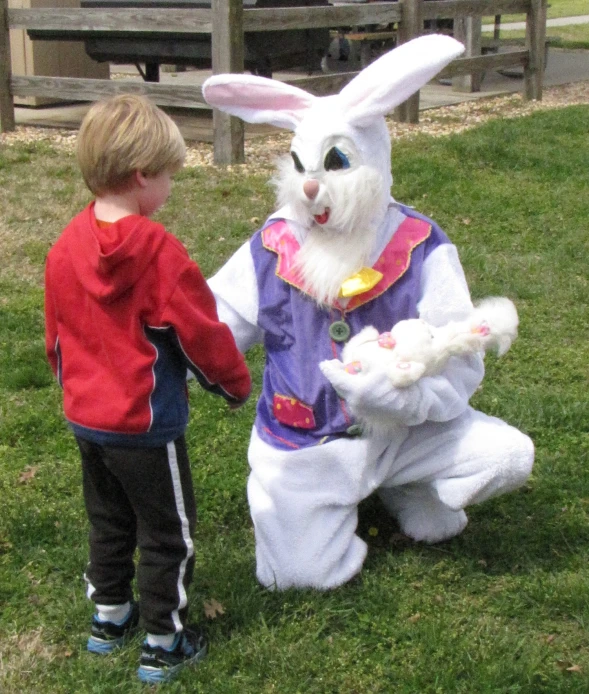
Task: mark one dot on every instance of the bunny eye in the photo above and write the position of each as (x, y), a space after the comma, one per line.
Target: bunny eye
(335, 159)
(297, 162)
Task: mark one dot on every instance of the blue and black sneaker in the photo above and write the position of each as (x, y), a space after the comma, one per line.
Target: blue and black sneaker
(105, 637)
(159, 664)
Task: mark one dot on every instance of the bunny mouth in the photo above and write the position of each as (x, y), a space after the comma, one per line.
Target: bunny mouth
(323, 217)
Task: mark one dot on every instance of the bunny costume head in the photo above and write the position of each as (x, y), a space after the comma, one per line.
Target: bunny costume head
(336, 184)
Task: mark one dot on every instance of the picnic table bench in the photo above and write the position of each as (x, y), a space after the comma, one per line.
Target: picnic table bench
(265, 52)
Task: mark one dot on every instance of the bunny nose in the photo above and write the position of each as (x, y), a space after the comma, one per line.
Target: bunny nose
(311, 188)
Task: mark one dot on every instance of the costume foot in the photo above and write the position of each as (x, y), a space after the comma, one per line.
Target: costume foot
(422, 516)
(422, 525)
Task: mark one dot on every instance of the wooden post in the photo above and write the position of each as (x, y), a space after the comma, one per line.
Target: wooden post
(6, 101)
(468, 31)
(227, 54)
(535, 44)
(410, 27)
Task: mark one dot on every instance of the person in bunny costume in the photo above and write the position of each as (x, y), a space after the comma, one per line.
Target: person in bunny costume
(338, 255)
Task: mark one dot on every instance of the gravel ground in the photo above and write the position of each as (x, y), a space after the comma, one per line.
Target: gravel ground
(261, 152)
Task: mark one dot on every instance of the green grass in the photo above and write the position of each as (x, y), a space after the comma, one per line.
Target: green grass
(572, 36)
(504, 608)
(556, 8)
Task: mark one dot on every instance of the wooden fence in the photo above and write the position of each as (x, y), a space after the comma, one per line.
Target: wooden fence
(227, 20)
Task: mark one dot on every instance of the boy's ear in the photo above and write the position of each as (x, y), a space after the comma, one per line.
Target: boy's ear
(139, 178)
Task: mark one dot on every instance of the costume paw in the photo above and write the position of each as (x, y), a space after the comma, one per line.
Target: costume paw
(404, 373)
(432, 524)
(421, 514)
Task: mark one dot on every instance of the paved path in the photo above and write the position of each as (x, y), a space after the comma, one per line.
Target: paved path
(557, 22)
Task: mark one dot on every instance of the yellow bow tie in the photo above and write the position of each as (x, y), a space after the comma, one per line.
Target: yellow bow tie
(361, 282)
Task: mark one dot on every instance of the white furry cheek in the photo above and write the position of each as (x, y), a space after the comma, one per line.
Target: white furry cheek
(356, 199)
(288, 184)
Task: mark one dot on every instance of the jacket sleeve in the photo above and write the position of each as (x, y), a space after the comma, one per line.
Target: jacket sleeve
(207, 344)
(51, 334)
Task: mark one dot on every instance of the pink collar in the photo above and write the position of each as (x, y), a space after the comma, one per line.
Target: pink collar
(392, 263)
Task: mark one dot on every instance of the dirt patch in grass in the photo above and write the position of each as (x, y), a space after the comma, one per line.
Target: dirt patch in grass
(21, 654)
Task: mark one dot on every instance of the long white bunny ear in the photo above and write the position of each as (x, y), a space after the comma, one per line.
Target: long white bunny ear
(258, 99)
(393, 78)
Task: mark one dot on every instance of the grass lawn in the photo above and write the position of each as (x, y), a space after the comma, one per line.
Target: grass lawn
(572, 36)
(504, 608)
(556, 8)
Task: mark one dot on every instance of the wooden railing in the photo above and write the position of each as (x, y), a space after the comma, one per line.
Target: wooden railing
(227, 20)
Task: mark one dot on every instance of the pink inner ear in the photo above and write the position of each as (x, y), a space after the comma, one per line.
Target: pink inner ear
(255, 96)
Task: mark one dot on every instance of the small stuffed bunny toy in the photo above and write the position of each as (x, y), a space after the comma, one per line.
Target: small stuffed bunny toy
(413, 348)
(337, 255)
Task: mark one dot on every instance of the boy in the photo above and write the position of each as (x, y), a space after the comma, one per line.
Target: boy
(127, 313)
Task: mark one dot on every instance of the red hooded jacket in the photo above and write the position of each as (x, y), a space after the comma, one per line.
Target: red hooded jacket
(127, 313)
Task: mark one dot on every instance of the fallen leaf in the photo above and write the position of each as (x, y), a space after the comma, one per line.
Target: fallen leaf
(255, 220)
(414, 618)
(563, 664)
(28, 474)
(466, 221)
(213, 608)
(550, 638)
(574, 668)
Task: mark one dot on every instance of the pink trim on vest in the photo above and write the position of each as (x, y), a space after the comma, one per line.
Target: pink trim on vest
(392, 263)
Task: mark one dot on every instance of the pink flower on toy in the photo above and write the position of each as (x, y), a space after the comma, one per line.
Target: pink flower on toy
(386, 341)
(354, 367)
(483, 329)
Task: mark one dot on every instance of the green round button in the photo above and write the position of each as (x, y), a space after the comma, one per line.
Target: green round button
(355, 430)
(339, 331)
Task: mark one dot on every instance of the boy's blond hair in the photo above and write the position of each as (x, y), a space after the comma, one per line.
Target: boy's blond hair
(124, 134)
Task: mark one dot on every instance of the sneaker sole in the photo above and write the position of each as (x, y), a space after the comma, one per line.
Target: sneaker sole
(100, 647)
(150, 675)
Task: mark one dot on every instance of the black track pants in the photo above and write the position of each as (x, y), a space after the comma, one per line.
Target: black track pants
(140, 497)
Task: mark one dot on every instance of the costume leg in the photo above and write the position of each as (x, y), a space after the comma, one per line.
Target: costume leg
(304, 509)
(443, 467)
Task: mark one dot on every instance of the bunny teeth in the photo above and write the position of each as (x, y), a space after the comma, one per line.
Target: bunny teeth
(323, 217)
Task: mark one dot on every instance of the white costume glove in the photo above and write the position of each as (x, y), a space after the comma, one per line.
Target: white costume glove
(376, 402)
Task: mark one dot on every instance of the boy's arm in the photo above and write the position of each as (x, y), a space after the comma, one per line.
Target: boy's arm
(207, 343)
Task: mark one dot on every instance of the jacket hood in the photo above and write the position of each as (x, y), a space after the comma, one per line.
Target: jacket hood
(109, 261)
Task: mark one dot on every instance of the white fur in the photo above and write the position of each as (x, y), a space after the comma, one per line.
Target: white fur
(334, 251)
(431, 454)
(353, 121)
(414, 348)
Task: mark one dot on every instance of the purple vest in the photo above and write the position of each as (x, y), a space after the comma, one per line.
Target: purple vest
(298, 407)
